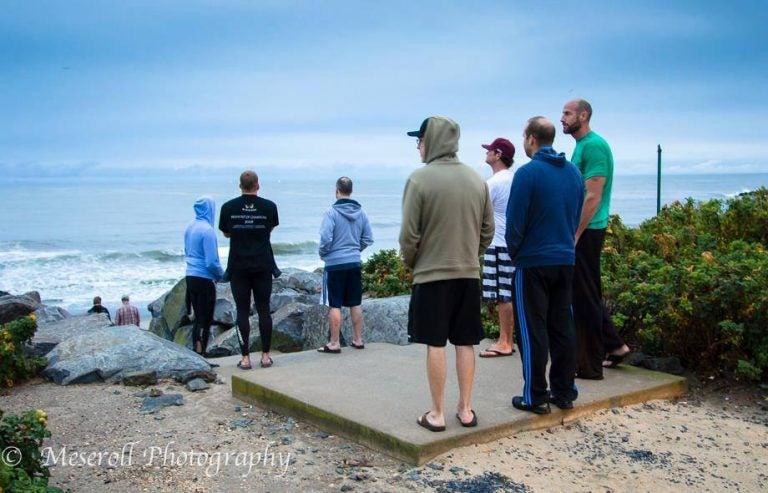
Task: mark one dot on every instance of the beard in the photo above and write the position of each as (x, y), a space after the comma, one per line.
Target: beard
(574, 127)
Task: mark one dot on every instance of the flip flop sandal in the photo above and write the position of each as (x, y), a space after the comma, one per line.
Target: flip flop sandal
(243, 367)
(357, 346)
(471, 424)
(494, 353)
(424, 423)
(326, 349)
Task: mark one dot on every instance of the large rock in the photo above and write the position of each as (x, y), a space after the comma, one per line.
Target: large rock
(47, 314)
(384, 320)
(49, 334)
(107, 354)
(287, 332)
(300, 280)
(293, 290)
(168, 310)
(299, 321)
(13, 307)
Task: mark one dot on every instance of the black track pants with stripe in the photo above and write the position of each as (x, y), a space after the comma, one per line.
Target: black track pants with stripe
(544, 328)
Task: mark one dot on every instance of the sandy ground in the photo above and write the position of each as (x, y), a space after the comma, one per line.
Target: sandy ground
(714, 439)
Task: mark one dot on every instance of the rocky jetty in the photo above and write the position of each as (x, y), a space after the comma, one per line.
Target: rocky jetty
(299, 320)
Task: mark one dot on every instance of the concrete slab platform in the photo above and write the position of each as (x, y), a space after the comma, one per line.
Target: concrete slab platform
(373, 396)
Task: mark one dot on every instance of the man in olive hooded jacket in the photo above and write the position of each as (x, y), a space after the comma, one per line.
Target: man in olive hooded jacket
(447, 223)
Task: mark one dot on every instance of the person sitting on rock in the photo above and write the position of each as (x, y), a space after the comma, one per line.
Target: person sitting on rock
(127, 314)
(99, 308)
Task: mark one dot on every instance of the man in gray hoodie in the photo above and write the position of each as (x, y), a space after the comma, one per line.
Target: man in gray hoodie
(447, 224)
(345, 233)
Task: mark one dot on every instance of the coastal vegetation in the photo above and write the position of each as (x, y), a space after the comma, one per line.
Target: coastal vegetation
(691, 282)
(15, 365)
(21, 437)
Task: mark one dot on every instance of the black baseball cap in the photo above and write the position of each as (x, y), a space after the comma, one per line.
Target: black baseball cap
(421, 131)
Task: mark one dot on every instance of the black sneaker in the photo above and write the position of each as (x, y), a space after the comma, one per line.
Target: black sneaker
(519, 403)
(561, 402)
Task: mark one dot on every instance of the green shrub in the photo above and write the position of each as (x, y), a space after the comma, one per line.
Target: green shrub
(21, 465)
(693, 282)
(384, 274)
(490, 318)
(15, 366)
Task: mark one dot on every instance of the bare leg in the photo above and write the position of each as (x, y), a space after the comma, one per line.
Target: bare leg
(356, 313)
(505, 344)
(436, 370)
(334, 322)
(507, 324)
(465, 371)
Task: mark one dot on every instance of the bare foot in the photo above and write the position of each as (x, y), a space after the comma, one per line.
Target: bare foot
(496, 350)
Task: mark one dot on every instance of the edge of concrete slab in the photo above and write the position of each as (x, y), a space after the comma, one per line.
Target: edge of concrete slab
(669, 387)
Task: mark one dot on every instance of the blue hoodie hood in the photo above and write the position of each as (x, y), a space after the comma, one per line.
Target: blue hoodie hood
(344, 233)
(201, 249)
(549, 155)
(204, 209)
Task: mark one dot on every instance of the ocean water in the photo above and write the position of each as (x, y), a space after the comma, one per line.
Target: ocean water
(72, 239)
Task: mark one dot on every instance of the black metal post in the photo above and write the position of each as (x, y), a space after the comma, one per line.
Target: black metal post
(658, 181)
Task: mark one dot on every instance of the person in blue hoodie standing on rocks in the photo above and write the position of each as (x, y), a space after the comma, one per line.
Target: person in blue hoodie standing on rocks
(201, 253)
(543, 214)
(344, 233)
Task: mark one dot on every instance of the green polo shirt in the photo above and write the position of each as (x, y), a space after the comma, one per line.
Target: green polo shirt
(593, 157)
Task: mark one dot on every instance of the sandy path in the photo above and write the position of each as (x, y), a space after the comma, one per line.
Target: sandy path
(709, 441)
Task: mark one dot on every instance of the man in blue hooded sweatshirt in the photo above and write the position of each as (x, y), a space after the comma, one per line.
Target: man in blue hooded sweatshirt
(201, 253)
(345, 233)
(543, 214)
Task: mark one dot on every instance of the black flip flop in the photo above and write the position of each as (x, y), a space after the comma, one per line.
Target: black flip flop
(243, 367)
(424, 423)
(326, 349)
(471, 424)
(494, 353)
(267, 364)
(357, 346)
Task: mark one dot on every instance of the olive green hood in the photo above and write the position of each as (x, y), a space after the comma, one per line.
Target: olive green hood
(441, 139)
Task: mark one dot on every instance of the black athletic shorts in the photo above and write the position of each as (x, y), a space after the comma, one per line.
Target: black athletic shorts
(446, 310)
(343, 287)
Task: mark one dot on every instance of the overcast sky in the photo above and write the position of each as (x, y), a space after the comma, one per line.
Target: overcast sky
(173, 84)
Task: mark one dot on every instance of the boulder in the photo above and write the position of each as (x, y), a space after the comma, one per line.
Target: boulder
(196, 384)
(224, 312)
(288, 296)
(168, 310)
(384, 320)
(107, 354)
(288, 331)
(295, 289)
(299, 322)
(49, 334)
(35, 295)
(667, 365)
(300, 280)
(209, 376)
(13, 307)
(140, 378)
(47, 314)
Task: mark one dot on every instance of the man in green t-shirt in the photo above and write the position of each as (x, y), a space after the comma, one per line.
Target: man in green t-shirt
(597, 341)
